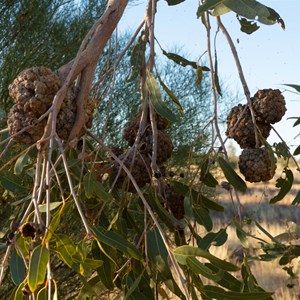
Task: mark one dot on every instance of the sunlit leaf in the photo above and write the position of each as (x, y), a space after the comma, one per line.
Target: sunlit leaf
(17, 268)
(21, 162)
(220, 10)
(18, 295)
(183, 252)
(37, 267)
(285, 185)
(42, 294)
(233, 178)
(117, 241)
(156, 100)
(208, 4)
(53, 205)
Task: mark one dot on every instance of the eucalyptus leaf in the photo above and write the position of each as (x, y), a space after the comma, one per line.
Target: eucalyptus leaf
(285, 185)
(37, 267)
(17, 268)
(21, 162)
(233, 178)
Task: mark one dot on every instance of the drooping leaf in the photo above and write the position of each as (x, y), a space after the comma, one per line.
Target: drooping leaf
(205, 176)
(21, 162)
(220, 10)
(188, 206)
(213, 238)
(282, 150)
(117, 241)
(42, 294)
(285, 185)
(227, 280)
(12, 183)
(183, 252)
(172, 96)
(156, 100)
(208, 4)
(203, 218)
(17, 268)
(221, 294)
(294, 86)
(233, 178)
(174, 2)
(18, 294)
(133, 287)
(296, 201)
(91, 288)
(291, 253)
(242, 235)
(216, 77)
(37, 267)
(53, 205)
(137, 56)
(199, 268)
(158, 256)
(248, 26)
(297, 151)
(199, 75)
(106, 271)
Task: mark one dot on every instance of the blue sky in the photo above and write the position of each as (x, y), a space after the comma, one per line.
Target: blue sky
(269, 56)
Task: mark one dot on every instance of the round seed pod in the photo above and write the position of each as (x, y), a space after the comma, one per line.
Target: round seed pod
(132, 127)
(139, 168)
(256, 165)
(33, 92)
(174, 202)
(269, 106)
(243, 133)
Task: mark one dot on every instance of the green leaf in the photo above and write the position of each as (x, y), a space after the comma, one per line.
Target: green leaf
(233, 178)
(88, 183)
(242, 235)
(213, 238)
(248, 26)
(291, 253)
(209, 4)
(37, 267)
(12, 183)
(91, 288)
(172, 96)
(106, 272)
(174, 2)
(90, 263)
(66, 250)
(252, 10)
(42, 294)
(133, 286)
(158, 256)
(216, 77)
(156, 100)
(221, 294)
(296, 201)
(17, 268)
(18, 295)
(101, 193)
(285, 185)
(294, 86)
(53, 205)
(21, 162)
(297, 150)
(183, 252)
(199, 268)
(117, 241)
(137, 56)
(203, 218)
(220, 10)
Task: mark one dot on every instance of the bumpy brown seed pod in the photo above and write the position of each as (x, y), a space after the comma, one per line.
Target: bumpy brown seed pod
(174, 202)
(33, 92)
(132, 127)
(269, 106)
(243, 133)
(140, 170)
(256, 165)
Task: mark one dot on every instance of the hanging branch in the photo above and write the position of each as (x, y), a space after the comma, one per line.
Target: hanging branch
(242, 77)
